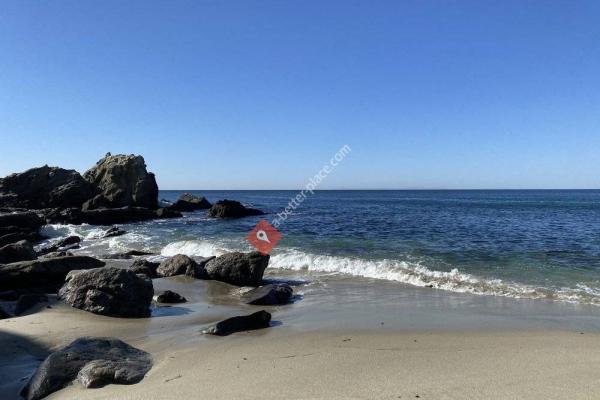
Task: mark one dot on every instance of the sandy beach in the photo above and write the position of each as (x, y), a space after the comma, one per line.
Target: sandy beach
(330, 346)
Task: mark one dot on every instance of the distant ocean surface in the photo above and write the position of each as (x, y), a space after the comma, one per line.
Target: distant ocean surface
(523, 244)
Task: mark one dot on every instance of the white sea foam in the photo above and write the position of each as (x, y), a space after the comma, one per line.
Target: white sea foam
(419, 275)
(192, 248)
(412, 273)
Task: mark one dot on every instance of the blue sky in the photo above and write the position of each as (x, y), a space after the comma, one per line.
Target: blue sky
(260, 94)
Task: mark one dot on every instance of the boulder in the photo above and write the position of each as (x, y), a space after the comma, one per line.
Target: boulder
(27, 301)
(169, 297)
(268, 295)
(124, 181)
(113, 232)
(45, 273)
(108, 291)
(44, 187)
(189, 202)
(94, 362)
(258, 320)
(231, 209)
(68, 243)
(145, 267)
(241, 269)
(179, 264)
(4, 314)
(20, 251)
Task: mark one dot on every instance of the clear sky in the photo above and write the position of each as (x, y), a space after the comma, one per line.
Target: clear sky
(260, 94)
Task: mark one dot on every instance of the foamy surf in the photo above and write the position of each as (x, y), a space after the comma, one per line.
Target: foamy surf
(392, 270)
(418, 275)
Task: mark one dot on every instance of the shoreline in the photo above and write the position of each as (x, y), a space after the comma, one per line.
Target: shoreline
(404, 341)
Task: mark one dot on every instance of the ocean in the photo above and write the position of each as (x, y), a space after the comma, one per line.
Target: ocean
(536, 244)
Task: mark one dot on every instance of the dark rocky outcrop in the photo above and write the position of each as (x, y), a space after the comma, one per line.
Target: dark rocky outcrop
(20, 251)
(45, 273)
(109, 291)
(169, 297)
(145, 267)
(124, 181)
(94, 362)
(241, 269)
(189, 202)
(68, 243)
(44, 187)
(107, 216)
(17, 226)
(258, 320)
(269, 295)
(231, 209)
(114, 232)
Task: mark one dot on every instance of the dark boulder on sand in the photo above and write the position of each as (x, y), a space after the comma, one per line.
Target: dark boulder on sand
(44, 187)
(241, 269)
(45, 273)
(123, 180)
(268, 295)
(169, 297)
(27, 301)
(258, 320)
(145, 267)
(179, 264)
(189, 202)
(14, 252)
(94, 362)
(109, 291)
(231, 209)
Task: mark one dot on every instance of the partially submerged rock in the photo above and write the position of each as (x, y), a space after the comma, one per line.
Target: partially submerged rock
(258, 320)
(93, 361)
(14, 252)
(45, 273)
(189, 202)
(68, 243)
(231, 209)
(241, 269)
(269, 295)
(44, 187)
(114, 232)
(109, 291)
(169, 297)
(124, 181)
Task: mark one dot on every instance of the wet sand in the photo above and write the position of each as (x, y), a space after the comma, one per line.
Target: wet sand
(342, 339)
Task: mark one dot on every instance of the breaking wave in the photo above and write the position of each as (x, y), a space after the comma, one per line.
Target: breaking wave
(410, 273)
